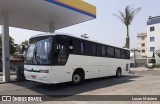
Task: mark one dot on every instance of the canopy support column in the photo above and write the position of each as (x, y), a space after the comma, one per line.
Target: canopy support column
(5, 46)
(51, 27)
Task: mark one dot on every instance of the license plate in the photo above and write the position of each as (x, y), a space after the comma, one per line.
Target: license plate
(33, 76)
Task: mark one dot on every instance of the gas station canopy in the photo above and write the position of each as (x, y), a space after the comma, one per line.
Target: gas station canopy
(40, 14)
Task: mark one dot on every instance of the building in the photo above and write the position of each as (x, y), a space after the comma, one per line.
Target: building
(142, 44)
(153, 36)
(136, 58)
(147, 44)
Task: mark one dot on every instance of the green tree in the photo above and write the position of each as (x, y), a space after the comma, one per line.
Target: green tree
(153, 59)
(126, 18)
(24, 46)
(12, 45)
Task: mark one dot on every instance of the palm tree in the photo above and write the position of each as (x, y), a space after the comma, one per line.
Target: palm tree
(126, 18)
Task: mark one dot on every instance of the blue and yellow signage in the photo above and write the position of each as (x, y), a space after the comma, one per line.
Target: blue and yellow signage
(76, 5)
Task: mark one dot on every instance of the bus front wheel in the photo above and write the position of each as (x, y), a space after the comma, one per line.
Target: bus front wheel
(77, 78)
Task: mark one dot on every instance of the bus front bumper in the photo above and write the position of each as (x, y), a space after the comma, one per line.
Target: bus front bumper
(40, 77)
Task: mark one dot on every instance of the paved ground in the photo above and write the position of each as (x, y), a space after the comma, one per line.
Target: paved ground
(143, 82)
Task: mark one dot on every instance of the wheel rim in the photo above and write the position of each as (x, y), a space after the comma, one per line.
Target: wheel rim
(76, 78)
(119, 73)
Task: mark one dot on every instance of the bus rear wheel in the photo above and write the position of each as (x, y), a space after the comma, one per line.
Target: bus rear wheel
(118, 73)
(77, 78)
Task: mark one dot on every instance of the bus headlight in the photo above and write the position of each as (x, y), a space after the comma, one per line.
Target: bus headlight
(44, 71)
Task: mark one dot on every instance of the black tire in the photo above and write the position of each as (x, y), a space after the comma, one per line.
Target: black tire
(118, 73)
(77, 78)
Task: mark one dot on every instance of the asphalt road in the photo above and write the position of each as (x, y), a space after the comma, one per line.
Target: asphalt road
(143, 82)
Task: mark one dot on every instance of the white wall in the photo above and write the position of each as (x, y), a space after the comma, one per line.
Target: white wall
(140, 42)
(155, 34)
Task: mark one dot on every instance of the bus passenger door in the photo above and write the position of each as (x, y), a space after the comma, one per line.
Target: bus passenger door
(61, 56)
(62, 50)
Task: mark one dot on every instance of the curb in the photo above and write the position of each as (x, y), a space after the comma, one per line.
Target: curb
(13, 81)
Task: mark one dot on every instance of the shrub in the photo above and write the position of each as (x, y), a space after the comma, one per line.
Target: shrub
(156, 65)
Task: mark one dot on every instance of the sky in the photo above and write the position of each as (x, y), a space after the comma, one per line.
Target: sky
(105, 28)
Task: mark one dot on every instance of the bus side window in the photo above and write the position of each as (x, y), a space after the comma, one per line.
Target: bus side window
(70, 46)
(128, 54)
(99, 50)
(76, 45)
(104, 51)
(82, 47)
(94, 49)
(117, 53)
(123, 54)
(110, 51)
(88, 48)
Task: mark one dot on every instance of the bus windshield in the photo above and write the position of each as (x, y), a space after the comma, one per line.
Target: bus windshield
(39, 51)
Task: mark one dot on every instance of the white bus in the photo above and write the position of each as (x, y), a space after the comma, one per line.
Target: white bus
(56, 58)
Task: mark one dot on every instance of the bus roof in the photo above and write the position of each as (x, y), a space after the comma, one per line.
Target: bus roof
(71, 35)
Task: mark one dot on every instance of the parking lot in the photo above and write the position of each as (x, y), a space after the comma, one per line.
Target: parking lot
(139, 82)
